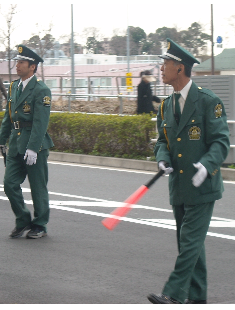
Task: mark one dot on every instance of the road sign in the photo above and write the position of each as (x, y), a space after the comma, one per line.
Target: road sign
(219, 40)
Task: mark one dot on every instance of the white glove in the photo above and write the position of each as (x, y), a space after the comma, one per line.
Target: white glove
(31, 157)
(200, 176)
(162, 166)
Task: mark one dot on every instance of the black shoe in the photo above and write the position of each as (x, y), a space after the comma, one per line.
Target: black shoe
(18, 232)
(162, 299)
(191, 301)
(36, 232)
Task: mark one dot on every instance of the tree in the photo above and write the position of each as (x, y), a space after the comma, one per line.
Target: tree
(137, 39)
(41, 43)
(36, 43)
(118, 45)
(5, 35)
(164, 33)
(93, 46)
(66, 43)
(33, 42)
(93, 40)
(152, 45)
(194, 39)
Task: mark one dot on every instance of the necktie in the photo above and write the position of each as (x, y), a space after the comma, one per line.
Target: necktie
(177, 108)
(19, 91)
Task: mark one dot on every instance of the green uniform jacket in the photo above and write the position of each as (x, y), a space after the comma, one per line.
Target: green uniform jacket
(202, 136)
(33, 106)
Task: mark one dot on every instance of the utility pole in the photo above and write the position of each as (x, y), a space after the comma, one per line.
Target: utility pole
(212, 43)
(128, 48)
(72, 53)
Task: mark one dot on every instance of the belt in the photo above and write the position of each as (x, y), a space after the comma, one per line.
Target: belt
(18, 124)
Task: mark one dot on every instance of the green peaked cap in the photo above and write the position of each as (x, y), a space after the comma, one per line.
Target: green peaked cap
(25, 53)
(176, 52)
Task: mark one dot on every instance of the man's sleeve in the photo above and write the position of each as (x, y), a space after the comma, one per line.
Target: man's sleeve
(161, 150)
(41, 118)
(6, 126)
(217, 136)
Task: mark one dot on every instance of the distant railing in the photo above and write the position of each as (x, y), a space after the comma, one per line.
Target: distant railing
(92, 88)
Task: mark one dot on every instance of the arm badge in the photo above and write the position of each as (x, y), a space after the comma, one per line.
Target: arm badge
(47, 101)
(218, 110)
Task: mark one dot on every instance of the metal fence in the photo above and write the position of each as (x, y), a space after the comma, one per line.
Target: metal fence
(93, 93)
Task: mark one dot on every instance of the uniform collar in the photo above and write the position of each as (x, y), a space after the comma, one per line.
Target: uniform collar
(185, 90)
(25, 82)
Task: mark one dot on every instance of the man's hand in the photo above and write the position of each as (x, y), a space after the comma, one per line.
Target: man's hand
(4, 153)
(200, 176)
(162, 166)
(3, 148)
(31, 157)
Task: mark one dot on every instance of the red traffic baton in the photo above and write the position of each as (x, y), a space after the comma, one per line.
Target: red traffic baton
(115, 217)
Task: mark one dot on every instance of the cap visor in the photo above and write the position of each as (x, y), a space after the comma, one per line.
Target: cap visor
(165, 57)
(16, 58)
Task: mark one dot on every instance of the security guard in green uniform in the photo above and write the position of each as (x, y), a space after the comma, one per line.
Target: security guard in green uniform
(25, 125)
(193, 142)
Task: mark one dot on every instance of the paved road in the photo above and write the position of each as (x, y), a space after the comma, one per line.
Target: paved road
(81, 262)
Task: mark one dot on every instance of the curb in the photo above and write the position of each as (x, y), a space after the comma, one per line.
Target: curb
(227, 173)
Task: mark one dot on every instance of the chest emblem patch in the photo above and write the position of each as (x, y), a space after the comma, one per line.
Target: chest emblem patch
(47, 101)
(218, 110)
(26, 108)
(194, 133)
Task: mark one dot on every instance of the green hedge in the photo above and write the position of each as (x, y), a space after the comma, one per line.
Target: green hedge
(104, 135)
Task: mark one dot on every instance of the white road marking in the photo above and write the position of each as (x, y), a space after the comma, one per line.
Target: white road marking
(101, 167)
(95, 202)
(224, 223)
(113, 169)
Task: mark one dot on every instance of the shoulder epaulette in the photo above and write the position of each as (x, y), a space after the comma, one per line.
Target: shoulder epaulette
(206, 91)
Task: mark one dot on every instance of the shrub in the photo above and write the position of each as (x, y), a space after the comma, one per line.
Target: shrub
(104, 135)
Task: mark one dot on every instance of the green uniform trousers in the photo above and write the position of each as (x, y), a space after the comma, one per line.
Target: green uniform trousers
(189, 278)
(15, 174)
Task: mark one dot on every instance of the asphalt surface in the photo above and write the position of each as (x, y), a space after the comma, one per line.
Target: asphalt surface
(81, 262)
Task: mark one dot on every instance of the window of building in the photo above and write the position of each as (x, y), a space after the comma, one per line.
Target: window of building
(51, 83)
(90, 61)
(80, 82)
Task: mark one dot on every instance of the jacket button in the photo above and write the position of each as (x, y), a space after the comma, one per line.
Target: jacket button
(180, 155)
(193, 120)
(18, 133)
(181, 171)
(16, 112)
(178, 139)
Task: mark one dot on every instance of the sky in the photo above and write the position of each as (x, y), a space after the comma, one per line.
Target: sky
(109, 15)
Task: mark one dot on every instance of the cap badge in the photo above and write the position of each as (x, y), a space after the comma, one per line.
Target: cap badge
(168, 45)
(194, 133)
(20, 49)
